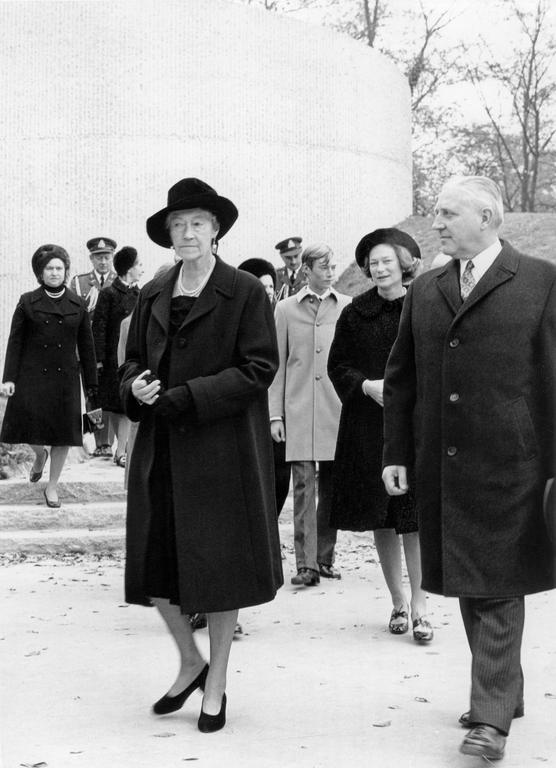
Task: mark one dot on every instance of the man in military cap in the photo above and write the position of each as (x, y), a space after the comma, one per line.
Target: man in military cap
(290, 278)
(88, 285)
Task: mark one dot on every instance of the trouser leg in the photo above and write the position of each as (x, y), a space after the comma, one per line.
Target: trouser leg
(282, 474)
(304, 514)
(326, 536)
(494, 629)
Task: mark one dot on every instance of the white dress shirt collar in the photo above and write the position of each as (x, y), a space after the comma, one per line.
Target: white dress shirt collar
(482, 261)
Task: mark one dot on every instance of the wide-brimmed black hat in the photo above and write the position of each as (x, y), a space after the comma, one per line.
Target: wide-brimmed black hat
(46, 253)
(186, 194)
(385, 236)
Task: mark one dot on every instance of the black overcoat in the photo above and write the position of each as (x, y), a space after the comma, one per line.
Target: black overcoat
(42, 362)
(115, 302)
(469, 390)
(364, 335)
(221, 457)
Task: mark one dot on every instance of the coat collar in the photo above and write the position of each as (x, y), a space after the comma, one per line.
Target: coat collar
(44, 303)
(370, 304)
(222, 281)
(503, 268)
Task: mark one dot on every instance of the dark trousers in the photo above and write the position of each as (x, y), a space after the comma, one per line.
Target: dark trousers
(314, 539)
(494, 629)
(282, 474)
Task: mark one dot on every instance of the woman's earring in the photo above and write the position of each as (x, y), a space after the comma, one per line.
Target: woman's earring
(214, 246)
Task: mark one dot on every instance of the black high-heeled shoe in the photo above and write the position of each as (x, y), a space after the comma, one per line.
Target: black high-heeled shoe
(168, 704)
(211, 723)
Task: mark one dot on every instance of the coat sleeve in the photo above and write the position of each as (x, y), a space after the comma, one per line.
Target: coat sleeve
(86, 350)
(231, 391)
(342, 372)
(547, 375)
(16, 344)
(100, 324)
(277, 391)
(400, 393)
(132, 365)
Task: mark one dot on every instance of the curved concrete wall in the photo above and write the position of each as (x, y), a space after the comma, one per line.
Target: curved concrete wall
(107, 104)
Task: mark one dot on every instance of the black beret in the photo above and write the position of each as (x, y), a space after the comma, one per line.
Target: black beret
(125, 259)
(46, 253)
(386, 236)
(259, 267)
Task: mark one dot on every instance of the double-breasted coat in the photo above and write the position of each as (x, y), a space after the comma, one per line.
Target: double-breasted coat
(227, 542)
(41, 360)
(284, 287)
(365, 333)
(115, 302)
(301, 393)
(469, 391)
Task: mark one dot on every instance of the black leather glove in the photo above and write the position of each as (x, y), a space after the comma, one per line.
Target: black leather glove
(91, 395)
(175, 401)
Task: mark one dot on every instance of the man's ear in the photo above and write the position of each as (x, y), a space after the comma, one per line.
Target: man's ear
(486, 218)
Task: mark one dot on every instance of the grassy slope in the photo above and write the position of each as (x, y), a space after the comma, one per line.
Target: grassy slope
(532, 233)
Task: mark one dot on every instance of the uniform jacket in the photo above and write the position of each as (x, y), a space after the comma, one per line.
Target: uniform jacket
(41, 360)
(301, 393)
(88, 287)
(114, 303)
(469, 393)
(221, 454)
(283, 286)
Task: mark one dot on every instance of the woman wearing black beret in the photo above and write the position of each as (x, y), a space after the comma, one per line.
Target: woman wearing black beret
(365, 333)
(41, 370)
(115, 302)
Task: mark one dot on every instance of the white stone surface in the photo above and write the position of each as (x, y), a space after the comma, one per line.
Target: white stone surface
(107, 104)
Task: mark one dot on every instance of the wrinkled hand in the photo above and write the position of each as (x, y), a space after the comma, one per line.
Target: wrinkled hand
(374, 389)
(395, 480)
(278, 431)
(144, 392)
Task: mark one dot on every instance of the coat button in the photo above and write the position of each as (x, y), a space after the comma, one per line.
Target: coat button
(45, 346)
(318, 349)
(46, 322)
(182, 343)
(318, 377)
(454, 343)
(59, 346)
(58, 369)
(59, 322)
(158, 341)
(317, 324)
(454, 397)
(45, 370)
(452, 450)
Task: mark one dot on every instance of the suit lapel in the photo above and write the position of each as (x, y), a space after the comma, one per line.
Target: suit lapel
(448, 285)
(500, 271)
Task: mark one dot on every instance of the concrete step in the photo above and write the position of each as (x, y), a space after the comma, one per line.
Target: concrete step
(23, 492)
(39, 517)
(62, 541)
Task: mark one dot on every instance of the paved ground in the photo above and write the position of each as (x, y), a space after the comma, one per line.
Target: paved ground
(316, 681)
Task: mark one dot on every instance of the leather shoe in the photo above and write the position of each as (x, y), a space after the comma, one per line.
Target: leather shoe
(34, 477)
(329, 572)
(211, 723)
(52, 504)
(465, 722)
(306, 577)
(168, 704)
(484, 741)
(422, 630)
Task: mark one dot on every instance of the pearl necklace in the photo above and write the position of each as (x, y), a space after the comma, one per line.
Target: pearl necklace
(55, 295)
(192, 292)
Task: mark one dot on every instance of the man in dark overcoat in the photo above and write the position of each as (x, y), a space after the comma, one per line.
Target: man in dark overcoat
(88, 285)
(469, 397)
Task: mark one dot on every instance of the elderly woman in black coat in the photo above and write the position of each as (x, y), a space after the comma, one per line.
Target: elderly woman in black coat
(41, 370)
(202, 535)
(365, 333)
(115, 302)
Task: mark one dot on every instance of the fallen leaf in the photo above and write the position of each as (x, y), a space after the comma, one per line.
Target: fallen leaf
(550, 695)
(164, 735)
(382, 724)
(422, 700)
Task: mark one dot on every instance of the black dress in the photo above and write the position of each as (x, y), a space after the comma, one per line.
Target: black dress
(365, 333)
(162, 557)
(115, 302)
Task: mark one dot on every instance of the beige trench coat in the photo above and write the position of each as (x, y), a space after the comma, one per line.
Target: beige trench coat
(301, 393)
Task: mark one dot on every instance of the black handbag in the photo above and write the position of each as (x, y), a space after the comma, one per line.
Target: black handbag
(92, 420)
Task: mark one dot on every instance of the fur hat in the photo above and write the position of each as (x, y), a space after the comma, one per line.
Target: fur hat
(46, 253)
(124, 260)
(259, 267)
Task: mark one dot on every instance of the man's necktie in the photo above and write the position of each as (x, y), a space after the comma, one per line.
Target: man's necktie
(101, 280)
(292, 278)
(467, 280)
